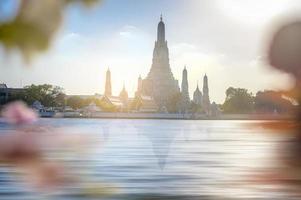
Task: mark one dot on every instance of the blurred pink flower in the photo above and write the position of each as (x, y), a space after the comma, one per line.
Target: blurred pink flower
(25, 150)
(18, 113)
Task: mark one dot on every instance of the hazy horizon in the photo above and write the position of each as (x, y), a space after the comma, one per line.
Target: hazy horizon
(224, 39)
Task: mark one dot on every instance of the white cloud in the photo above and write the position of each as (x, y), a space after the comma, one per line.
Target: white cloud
(129, 31)
(71, 38)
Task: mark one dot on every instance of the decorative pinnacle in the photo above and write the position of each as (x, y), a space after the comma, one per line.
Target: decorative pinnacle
(161, 18)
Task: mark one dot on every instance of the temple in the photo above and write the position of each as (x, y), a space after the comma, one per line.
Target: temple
(160, 82)
(159, 91)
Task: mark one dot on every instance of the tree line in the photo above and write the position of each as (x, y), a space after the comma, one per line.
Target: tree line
(48, 95)
(241, 101)
(54, 96)
(237, 101)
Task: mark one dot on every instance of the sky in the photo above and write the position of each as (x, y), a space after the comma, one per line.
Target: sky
(226, 39)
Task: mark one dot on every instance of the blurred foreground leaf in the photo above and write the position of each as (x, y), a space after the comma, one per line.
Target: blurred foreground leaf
(35, 25)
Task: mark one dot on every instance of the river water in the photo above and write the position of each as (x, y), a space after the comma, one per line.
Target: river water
(165, 159)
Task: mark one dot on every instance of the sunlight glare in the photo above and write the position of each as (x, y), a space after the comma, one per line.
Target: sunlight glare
(252, 11)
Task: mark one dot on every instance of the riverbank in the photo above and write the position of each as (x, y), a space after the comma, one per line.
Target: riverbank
(179, 116)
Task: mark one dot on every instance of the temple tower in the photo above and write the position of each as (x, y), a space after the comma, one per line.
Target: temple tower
(160, 83)
(184, 86)
(197, 96)
(206, 99)
(185, 99)
(139, 86)
(108, 86)
(124, 95)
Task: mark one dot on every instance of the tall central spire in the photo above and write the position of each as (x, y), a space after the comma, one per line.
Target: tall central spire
(161, 31)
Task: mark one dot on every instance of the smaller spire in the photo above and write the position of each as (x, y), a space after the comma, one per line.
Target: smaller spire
(161, 18)
(185, 67)
(197, 87)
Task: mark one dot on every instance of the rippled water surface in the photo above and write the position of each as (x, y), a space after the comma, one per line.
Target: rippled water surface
(166, 159)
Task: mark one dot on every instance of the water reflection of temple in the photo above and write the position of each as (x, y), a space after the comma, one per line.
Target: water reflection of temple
(161, 141)
(106, 132)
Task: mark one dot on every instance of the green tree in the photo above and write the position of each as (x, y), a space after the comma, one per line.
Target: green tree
(75, 102)
(48, 95)
(272, 101)
(105, 106)
(238, 101)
